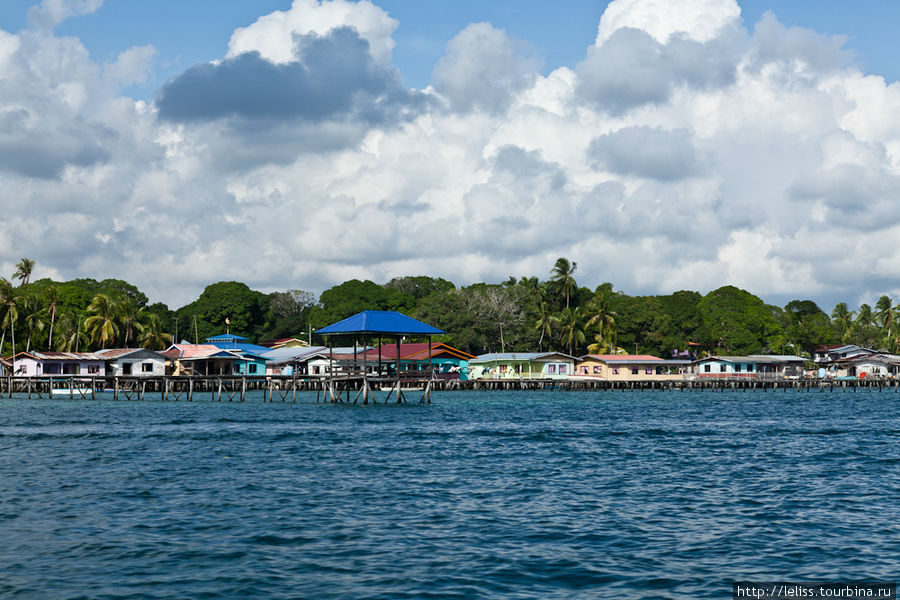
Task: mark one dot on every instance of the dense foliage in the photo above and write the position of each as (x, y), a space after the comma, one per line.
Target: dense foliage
(525, 314)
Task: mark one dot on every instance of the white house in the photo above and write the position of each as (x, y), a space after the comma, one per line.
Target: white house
(135, 362)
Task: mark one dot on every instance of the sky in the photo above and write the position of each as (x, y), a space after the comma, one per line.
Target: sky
(661, 145)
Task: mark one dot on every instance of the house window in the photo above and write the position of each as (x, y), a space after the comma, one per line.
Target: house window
(634, 370)
(722, 368)
(51, 369)
(563, 369)
(596, 369)
(648, 371)
(251, 368)
(584, 370)
(93, 369)
(615, 370)
(707, 368)
(750, 368)
(737, 368)
(147, 367)
(551, 369)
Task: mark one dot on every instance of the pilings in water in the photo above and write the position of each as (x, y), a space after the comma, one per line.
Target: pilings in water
(355, 388)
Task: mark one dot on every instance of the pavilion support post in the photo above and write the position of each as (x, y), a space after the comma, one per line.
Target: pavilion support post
(365, 385)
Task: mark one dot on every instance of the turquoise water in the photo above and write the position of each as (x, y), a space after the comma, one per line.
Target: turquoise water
(480, 495)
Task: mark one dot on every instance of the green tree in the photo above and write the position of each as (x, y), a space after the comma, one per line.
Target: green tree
(561, 276)
(129, 316)
(33, 315)
(246, 310)
(571, 328)
(50, 296)
(354, 296)
(735, 321)
(885, 315)
(71, 337)
(9, 302)
(152, 334)
(842, 319)
(545, 324)
(104, 312)
(23, 271)
(601, 321)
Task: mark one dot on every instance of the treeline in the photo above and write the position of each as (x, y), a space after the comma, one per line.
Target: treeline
(525, 314)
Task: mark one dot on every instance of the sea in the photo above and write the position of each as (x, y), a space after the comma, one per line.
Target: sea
(549, 494)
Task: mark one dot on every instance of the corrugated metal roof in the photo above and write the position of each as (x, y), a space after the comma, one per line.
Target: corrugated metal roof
(380, 321)
(418, 351)
(606, 357)
(514, 356)
(61, 355)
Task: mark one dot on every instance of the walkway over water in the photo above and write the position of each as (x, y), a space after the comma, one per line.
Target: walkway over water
(353, 387)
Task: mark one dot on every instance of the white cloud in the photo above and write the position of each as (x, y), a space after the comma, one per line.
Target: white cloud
(273, 35)
(698, 20)
(50, 13)
(757, 157)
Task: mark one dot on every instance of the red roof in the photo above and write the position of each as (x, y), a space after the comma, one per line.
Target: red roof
(418, 351)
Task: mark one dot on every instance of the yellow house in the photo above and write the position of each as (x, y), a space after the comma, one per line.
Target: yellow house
(630, 367)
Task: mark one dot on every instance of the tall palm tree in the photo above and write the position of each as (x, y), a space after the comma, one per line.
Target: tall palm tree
(51, 306)
(863, 325)
(71, 335)
(130, 317)
(885, 315)
(152, 334)
(9, 301)
(561, 276)
(545, 323)
(23, 271)
(102, 322)
(842, 318)
(571, 328)
(602, 321)
(33, 316)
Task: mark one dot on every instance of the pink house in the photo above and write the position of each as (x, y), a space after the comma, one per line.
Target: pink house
(44, 364)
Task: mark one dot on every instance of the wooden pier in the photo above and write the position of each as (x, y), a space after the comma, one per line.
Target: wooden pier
(354, 388)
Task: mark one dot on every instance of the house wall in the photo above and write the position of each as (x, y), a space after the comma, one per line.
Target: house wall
(157, 367)
(30, 367)
(626, 372)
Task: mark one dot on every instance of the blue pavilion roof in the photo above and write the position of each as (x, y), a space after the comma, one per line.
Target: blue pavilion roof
(380, 322)
(226, 337)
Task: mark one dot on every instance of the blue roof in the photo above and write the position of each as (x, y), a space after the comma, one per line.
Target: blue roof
(380, 321)
(246, 348)
(225, 337)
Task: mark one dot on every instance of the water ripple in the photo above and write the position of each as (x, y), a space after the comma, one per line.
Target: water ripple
(501, 495)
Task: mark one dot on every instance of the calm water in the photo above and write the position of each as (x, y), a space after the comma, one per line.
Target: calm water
(480, 495)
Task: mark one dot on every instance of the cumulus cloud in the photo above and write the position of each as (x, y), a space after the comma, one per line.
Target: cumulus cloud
(646, 152)
(483, 68)
(686, 150)
(50, 13)
(698, 20)
(332, 76)
(272, 35)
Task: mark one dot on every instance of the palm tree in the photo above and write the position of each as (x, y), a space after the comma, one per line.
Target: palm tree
(23, 271)
(130, 317)
(561, 276)
(603, 321)
(102, 322)
(865, 321)
(9, 301)
(34, 317)
(885, 315)
(152, 334)
(545, 323)
(842, 318)
(71, 336)
(51, 302)
(571, 328)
